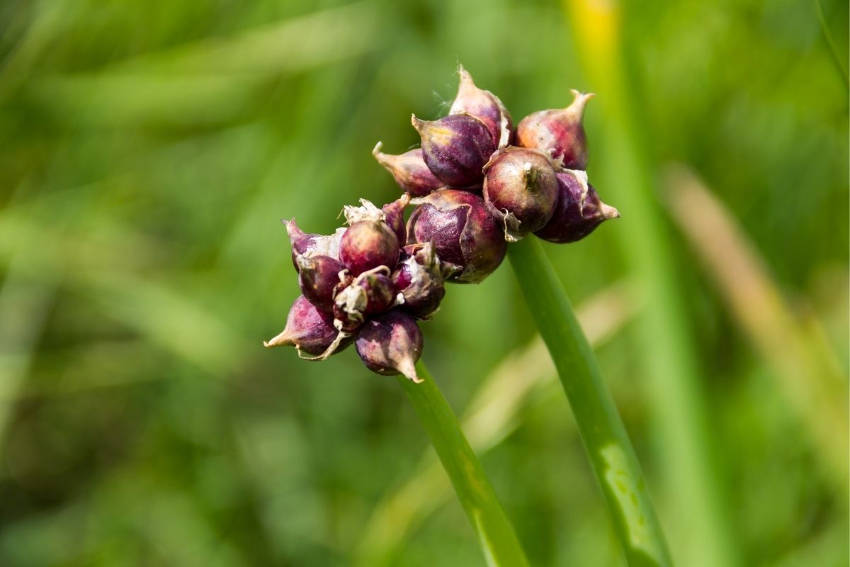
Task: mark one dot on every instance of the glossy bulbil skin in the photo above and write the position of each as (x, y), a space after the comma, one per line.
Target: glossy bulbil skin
(366, 245)
(420, 279)
(463, 233)
(520, 187)
(390, 344)
(578, 211)
(485, 106)
(409, 171)
(318, 277)
(558, 132)
(455, 148)
(370, 293)
(307, 328)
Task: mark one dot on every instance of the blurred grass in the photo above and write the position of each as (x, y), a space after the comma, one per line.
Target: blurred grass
(148, 153)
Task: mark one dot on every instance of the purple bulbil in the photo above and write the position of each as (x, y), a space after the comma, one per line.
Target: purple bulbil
(318, 277)
(520, 188)
(391, 344)
(394, 217)
(578, 210)
(420, 278)
(309, 330)
(558, 132)
(462, 231)
(370, 293)
(455, 148)
(483, 105)
(409, 171)
(366, 245)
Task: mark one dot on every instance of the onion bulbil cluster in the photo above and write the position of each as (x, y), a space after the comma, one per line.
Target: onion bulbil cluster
(472, 192)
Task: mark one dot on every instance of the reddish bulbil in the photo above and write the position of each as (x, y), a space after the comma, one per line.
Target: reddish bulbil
(558, 133)
(409, 171)
(308, 329)
(391, 344)
(483, 105)
(366, 245)
(462, 231)
(455, 148)
(420, 278)
(520, 188)
(370, 293)
(578, 211)
(394, 217)
(318, 277)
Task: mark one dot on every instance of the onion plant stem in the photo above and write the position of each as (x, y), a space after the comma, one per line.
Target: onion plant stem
(496, 535)
(603, 434)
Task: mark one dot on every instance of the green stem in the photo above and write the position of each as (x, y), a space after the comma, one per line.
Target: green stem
(495, 533)
(602, 431)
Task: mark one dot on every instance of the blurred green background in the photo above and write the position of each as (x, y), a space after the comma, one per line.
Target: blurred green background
(147, 153)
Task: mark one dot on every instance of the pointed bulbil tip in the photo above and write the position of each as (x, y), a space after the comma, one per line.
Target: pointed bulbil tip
(407, 367)
(417, 123)
(281, 339)
(608, 212)
(580, 99)
(292, 229)
(388, 161)
(465, 80)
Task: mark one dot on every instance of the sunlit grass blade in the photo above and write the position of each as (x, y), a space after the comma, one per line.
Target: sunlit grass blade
(495, 534)
(603, 434)
(697, 520)
(494, 412)
(807, 372)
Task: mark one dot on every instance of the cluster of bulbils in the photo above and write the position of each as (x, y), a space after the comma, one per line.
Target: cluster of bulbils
(477, 183)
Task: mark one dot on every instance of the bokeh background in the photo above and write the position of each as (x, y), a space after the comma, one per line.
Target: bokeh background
(148, 151)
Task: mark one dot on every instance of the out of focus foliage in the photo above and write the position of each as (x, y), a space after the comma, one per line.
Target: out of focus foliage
(147, 153)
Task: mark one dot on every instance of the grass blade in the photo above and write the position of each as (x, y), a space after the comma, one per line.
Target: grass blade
(495, 533)
(807, 372)
(602, 431)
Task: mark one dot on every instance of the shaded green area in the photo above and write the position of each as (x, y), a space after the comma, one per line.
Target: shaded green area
(147, 153)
